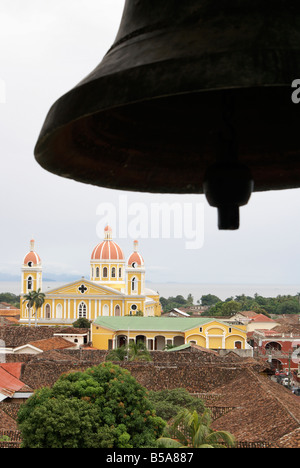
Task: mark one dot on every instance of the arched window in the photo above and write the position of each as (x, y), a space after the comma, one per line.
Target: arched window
(82, 310)
(105, 272)
(29, 283)
(120, 272)
(59, 311)
(117, 311)
(48, 311)
(105, 310)
(113, 272)
(133, 284)
(97, 272)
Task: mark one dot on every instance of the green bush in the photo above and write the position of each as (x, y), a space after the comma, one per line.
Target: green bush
(168, 403)
(103, 407)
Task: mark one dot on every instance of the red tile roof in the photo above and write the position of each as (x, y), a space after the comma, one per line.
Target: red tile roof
(262, 318)
(14, 368)
(9, 383)
(52, 343)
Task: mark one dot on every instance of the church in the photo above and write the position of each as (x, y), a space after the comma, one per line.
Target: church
(116, 288)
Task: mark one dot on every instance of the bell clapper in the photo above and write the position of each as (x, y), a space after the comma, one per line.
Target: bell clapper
(228, 186)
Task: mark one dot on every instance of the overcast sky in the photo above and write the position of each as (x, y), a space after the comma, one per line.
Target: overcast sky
(46, 48)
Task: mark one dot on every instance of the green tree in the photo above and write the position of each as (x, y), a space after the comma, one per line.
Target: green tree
(209, 300)
(288, 307)
(168, 403)
(103, 407)
(39, 299)
(133, 352)
(190, 300)
(82, 323)
(226, 308)
(190, 429)
(10, 298)
(35, 299)
(29, 298)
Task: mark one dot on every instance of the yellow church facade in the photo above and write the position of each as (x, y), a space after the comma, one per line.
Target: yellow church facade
(156, 333)
(119, 306)
(116, 288)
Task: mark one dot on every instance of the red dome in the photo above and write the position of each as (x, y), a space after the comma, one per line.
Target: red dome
(32, 256)
(135, 257)
(107, 250)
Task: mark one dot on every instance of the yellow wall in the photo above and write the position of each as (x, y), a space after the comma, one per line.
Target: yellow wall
(95, 307)
(218, 336)
(212, 336)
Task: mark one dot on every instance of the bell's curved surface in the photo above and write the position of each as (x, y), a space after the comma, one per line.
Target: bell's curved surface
(185, 85)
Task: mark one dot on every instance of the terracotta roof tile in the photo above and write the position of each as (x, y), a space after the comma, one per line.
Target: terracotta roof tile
(56, 342)
(262, 318)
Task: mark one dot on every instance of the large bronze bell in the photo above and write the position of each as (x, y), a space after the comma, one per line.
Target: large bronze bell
(194, 96)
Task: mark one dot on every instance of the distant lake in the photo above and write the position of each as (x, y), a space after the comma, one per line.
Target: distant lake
(223, 291)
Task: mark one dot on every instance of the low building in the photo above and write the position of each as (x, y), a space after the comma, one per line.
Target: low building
(158, 332)
(280, 349)
(175, 313)
(37, 347)
(255, 321)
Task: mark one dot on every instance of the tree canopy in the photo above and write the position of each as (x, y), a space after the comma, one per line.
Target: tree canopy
(169, 402)
(102, 407)
(285, 304)
(191, 429)
(176, 302)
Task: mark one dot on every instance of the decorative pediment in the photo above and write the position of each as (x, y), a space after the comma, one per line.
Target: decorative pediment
(83, 288)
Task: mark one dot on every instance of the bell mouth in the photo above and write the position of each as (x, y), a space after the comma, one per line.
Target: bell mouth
(166, 144)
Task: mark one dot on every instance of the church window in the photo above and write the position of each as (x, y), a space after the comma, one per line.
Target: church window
(133, 309)
(48, 311)
(82, 289)
(200, 329)
(105, 272)
(113, 272)
(120, 272)
(59, 311)
(30, 264)
(133, 284)
(29, 283)
(105, 310)
(82, 310)
(97, 272)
